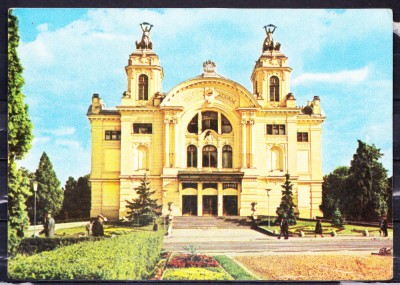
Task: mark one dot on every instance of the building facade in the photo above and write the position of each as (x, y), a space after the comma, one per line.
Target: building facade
(209, 145)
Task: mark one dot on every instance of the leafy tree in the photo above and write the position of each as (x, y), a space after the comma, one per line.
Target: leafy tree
(286, 208)
(335, 191)
(369, 184)
(18, 191)
(49, 193)
(77, 198)
(19, 140)
(143, 209)
(19, 125)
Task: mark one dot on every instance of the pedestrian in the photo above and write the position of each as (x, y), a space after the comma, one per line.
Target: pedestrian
(48, 226)
(284, 225)
(97, 226)
(384, 227)
(89, 228)
(318, 228)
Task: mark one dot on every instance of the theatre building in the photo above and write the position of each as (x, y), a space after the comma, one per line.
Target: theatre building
(209, 145)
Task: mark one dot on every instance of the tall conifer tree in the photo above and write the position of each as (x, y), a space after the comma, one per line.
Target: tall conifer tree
(19, 140)
(143, 209)
(49, 194)
(286, 208)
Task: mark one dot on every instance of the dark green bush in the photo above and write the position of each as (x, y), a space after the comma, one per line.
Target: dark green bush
(128, 257)
(29, 246)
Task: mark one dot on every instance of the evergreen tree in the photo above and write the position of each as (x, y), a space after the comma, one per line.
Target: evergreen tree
(77, 199)
(369, 184)
(337, 219)
(19, 140)
(49, 193)
(286, 208)
(335, 191)
(143, 209)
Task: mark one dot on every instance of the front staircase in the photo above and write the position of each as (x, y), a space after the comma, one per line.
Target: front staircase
(207, 222)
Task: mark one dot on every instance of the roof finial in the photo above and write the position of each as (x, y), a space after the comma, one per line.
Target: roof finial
(269, 41)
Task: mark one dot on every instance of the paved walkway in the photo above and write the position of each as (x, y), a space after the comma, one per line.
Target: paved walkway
(247, 241)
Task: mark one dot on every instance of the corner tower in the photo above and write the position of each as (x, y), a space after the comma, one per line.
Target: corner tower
(271, 75)
(144, 72)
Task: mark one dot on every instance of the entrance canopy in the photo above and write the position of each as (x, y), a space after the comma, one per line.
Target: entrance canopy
(217, 176)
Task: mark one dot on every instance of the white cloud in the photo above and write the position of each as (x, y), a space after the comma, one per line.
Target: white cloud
(64, 131)
(69, 144)
(344, 76)
(40, 140)
(43, 27)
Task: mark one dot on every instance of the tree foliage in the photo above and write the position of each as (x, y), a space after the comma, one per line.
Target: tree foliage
(49, 193)
(77, 199)
(334, 191)
(361, 192)
(286, 208)
(143, 209)
(19, 140)
(19, 125)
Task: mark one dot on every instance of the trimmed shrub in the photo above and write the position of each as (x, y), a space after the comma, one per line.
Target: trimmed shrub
(29, 246)
(128, 257)
(196, 274)
(192, 260)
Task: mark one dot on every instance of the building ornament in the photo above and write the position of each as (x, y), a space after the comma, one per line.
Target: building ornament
(269, 44)
(145, 43)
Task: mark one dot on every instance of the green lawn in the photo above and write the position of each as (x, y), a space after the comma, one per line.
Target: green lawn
(235, 270)
(308, 227)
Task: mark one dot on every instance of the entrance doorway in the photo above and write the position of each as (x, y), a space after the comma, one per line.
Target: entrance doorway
(210, 205)
(189, 205)
(230, 205)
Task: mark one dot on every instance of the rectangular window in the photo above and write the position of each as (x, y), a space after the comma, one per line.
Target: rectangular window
(302, 136)
(112, 135)
(276, 129)
(142, 128)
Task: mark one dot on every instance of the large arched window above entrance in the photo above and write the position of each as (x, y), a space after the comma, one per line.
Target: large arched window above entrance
(143, 87)
(226, 126)
(191, 156)
(227, 156)
(210, 156)
(193, 126)
(274, 89)
(209, 121)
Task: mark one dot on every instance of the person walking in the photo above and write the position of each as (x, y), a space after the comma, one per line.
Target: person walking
(318, 228)
(48, 226)
(284, 225)
(384, 227)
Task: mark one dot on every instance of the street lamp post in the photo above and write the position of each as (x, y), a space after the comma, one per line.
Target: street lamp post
(35, 186)
(268, 206)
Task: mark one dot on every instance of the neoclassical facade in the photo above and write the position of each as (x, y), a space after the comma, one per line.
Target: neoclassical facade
(209, 145)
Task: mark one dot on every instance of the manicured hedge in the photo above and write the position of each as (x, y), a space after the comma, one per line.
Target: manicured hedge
(128, 257)
(29, 246)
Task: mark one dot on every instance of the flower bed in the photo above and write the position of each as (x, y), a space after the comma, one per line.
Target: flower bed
(192, 260)
(209, 273)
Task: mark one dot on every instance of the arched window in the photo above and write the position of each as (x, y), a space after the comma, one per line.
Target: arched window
(191, 156)
(274, 89)
(226, 126)
(210, 156)
(227, 156)
(209, 121)
(193, 126)
(142, 159)
(143, 89)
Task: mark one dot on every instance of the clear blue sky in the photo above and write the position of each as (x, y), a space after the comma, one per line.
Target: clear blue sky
(342, 56)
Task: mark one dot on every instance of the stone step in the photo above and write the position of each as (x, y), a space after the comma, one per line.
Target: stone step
(196, 222)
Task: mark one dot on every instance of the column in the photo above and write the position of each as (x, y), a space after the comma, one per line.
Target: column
(252, 143)
(199, 199)
(219, 124)
(180, 197)
(219, 157)
(220, 200)
(199, 123)
(166, 123)
(244, 144)
(176, 135)
(199, 156)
